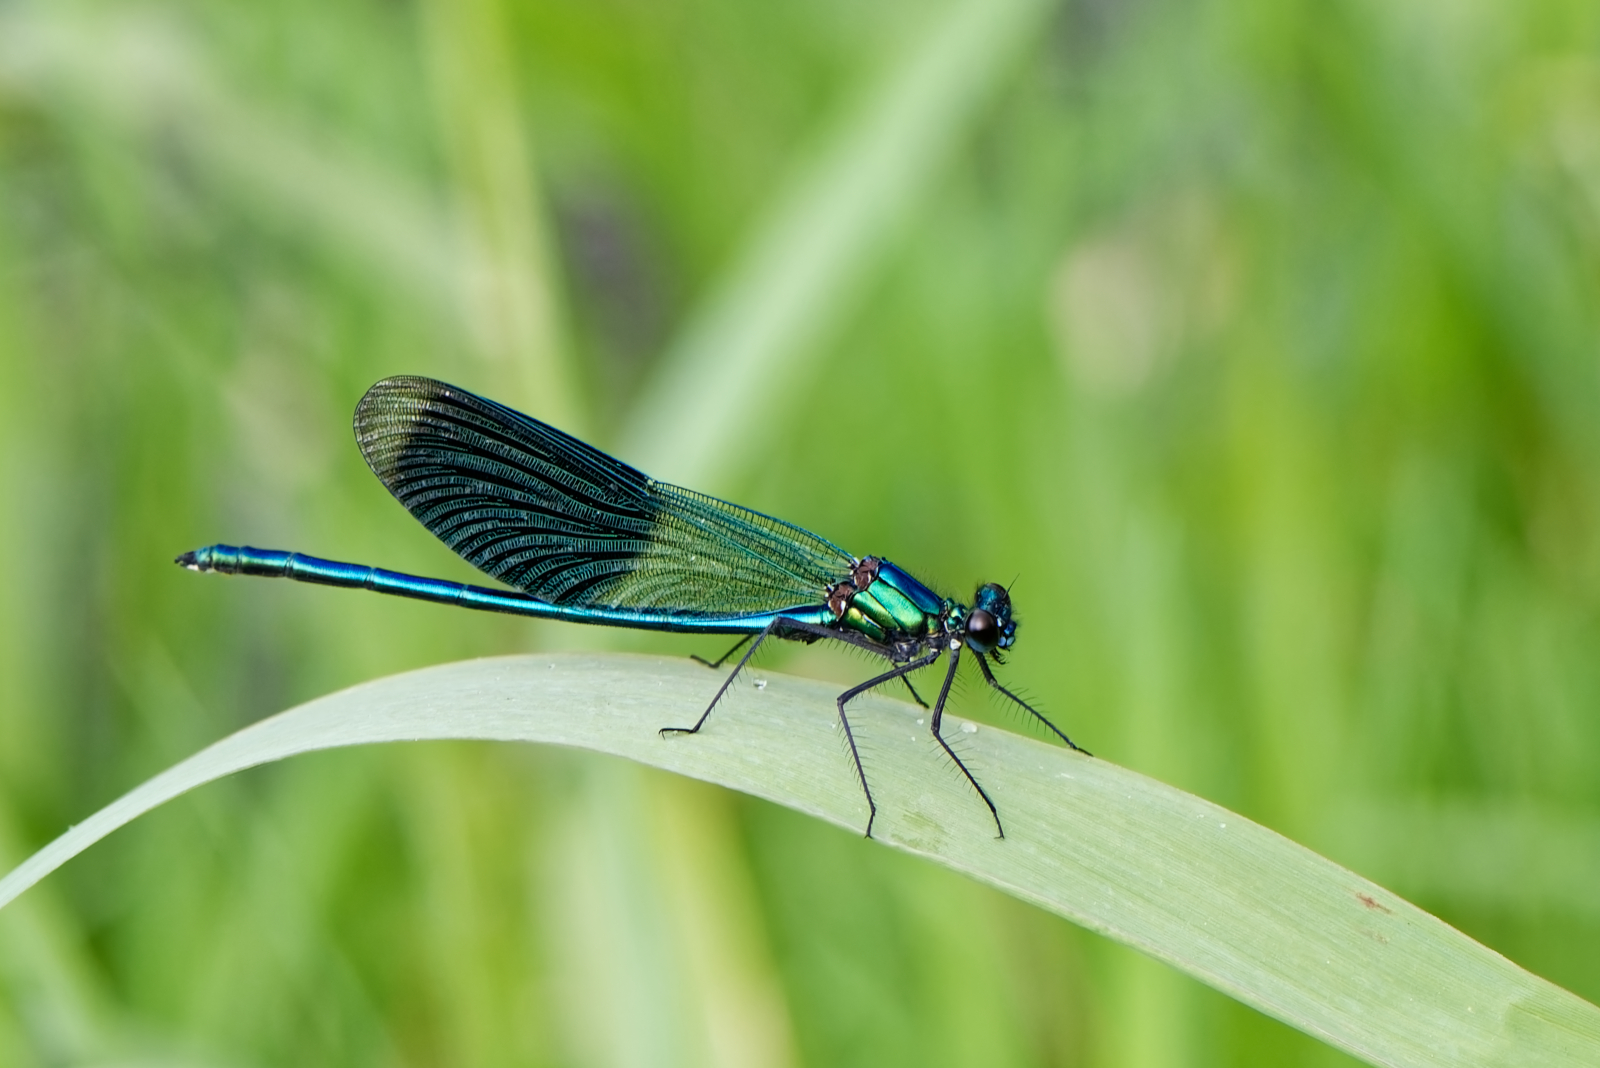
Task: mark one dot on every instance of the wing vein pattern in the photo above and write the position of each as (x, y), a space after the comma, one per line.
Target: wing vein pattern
(547, 514)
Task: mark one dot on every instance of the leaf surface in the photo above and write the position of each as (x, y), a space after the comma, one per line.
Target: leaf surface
(1231, 903)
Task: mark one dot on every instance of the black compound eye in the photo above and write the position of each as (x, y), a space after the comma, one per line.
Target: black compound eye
(983, 632)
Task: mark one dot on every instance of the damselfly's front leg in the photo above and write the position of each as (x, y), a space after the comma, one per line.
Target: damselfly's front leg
(1034, 712)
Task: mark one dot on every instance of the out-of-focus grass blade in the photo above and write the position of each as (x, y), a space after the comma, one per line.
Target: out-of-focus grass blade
(143, 77)
(736, 359)
(1231, 903)
(512, 305)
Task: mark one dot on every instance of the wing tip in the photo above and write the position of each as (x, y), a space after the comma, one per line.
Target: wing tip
(385, 411)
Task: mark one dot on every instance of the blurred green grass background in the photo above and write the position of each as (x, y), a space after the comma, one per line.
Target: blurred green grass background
(1258, 341)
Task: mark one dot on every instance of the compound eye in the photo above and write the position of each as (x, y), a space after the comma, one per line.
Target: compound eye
(983, 632)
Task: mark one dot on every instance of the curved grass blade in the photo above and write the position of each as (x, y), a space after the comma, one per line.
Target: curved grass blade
(1227, 901)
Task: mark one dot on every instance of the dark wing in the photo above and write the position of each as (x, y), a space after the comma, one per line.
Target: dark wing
(543, 512)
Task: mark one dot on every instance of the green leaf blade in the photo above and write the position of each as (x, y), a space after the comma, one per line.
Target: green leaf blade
(1225, 900)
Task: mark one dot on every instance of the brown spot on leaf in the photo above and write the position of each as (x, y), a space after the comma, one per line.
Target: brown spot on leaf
(1372, 904)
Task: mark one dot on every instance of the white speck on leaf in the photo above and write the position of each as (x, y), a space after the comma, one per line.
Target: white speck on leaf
(969, 727)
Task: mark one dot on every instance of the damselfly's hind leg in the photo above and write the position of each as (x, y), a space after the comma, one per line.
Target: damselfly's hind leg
(938, 715)
(743, 660)
(780, 627)
(723, 659)
(988, 676)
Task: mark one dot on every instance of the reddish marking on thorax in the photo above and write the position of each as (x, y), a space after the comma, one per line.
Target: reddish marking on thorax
(864, 574)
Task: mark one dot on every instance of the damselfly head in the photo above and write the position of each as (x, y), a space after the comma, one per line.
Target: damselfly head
(989, 624)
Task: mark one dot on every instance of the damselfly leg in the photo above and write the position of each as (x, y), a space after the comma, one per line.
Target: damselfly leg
(855, 754)
(723, 659)
(938, 715)
(988, 676)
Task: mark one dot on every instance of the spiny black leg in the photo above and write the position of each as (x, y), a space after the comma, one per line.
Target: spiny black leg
(915, 696)
(938, 714)
(719, 661)
(855, 754)
(1034, 712)
(771, 628)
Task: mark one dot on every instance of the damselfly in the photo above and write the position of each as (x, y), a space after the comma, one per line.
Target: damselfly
(585, 538)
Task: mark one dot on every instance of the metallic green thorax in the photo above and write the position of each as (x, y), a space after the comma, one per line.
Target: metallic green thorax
(883, 602)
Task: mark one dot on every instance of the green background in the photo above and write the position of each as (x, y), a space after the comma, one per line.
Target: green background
(1257, 342)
